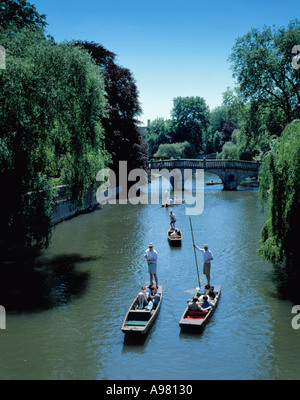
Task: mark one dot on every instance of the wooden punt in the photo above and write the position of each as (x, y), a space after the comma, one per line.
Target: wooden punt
(140, 321)
(198, 319)
(214, 183)
(174, 239)
(174, 203)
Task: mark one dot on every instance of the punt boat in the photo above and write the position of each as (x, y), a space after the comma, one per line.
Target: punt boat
(198, 319)
(214, 183)
(173, 203)
(174, 236)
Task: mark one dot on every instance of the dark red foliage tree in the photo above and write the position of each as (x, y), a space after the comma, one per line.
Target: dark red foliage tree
(226, 131)
(123, 139)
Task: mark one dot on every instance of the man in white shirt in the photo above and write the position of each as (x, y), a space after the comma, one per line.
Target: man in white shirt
(172, 219)
(207, 257)
(151, 256)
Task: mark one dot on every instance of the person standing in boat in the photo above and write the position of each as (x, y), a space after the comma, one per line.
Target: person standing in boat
(151, 256)
(207, 257)
(172, 219)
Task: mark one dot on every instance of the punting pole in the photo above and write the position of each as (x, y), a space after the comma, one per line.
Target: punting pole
(195, 252)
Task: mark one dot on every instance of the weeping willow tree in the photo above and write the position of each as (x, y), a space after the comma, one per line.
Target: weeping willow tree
(280, 192)
(52, 101)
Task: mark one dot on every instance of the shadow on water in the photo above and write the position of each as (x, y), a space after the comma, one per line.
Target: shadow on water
(34, 285)
(190, 332)
(135, 343)
(287, 282)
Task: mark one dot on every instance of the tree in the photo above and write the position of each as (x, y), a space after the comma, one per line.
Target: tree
(226, 131)
(261, 63)
(176, 150)
(190, 116)
(20, 13)
(257, 127)
(233, 105)
(224, 120)
(51, 105)
(217, 117)
(158, 132)
(123, 139)
(280, 190)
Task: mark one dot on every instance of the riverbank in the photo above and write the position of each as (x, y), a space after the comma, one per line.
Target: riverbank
(63, 209)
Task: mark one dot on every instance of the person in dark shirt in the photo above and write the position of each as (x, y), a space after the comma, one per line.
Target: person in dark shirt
(194, 305)
(210, 292)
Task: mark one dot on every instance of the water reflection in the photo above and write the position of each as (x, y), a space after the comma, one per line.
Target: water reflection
(287, 282)
(41, 284)
(135, 343)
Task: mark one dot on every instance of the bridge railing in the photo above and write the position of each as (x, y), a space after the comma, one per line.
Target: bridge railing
(204, 164)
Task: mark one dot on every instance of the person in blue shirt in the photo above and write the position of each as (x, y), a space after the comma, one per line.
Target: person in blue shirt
(206, 303)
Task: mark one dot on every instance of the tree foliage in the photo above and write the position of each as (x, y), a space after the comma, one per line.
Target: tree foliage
(261, 63)
(51, 104)
(176, 150)
(123, 139)
(158, 132)
(190, 116)
(280, 190)
(19, 14)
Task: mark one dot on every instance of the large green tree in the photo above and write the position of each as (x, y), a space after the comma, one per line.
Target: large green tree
(262, 65)
(51, 105)
(158, 132)
(190, 117)
(20, 13)
(123, 139)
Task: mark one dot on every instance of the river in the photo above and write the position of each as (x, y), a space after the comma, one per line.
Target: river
(64, 319)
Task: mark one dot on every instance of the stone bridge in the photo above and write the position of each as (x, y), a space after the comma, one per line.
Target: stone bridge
(231, 172)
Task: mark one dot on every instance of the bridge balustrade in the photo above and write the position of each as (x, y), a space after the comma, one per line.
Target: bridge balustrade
(205, 164)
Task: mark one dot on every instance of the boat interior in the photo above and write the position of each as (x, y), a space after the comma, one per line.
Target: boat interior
(138, 316)
(174, 233)
(192, 314)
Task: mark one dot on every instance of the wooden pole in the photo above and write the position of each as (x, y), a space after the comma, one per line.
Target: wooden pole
(195, 253)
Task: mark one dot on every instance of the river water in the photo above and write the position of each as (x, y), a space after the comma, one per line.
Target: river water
(64, 319)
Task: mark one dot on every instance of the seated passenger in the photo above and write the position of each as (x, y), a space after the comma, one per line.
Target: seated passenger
(154, 295)
(194, 305)
(210, 292)
(149, 290)
(142, 297)
(205, 304)
(150, 305)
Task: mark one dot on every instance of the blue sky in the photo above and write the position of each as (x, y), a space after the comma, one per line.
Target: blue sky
(173, 48)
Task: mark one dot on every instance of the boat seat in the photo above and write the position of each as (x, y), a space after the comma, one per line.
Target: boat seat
(139, 323)
(139, 315)
(196, 314)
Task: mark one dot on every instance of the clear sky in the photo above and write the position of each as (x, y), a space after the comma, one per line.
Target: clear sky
(173, 48)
